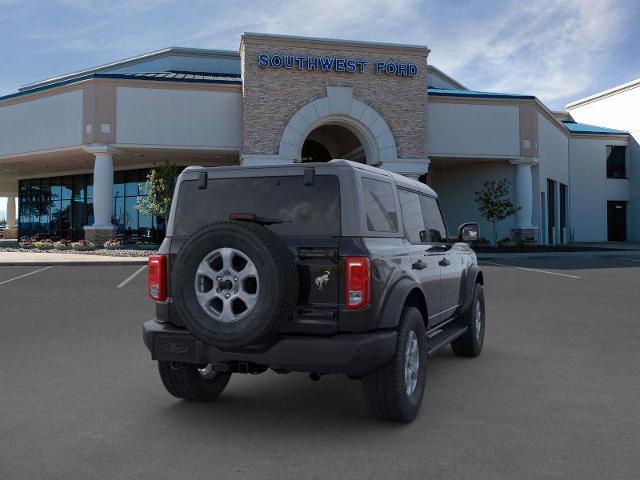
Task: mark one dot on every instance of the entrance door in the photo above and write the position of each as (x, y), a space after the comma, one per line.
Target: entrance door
(551, 211)
(617, 221)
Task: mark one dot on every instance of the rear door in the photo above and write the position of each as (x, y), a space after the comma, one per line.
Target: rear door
(449, 260)
(425, 267)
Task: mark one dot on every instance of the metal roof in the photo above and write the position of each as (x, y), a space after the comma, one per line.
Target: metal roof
(187, 77)
(134, 60)
(176, 75)
(585, 128)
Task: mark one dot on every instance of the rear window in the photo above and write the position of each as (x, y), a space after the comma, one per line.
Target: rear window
(306, 210)
(379, 205)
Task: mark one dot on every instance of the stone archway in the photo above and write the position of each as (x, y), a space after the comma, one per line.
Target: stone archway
(339, 108)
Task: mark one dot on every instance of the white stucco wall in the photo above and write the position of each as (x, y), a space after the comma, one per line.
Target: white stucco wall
(620, 111)
(43, 124)
(590, 189)
(189, 118)
(553, 163)
(471, 129)
(456, 186)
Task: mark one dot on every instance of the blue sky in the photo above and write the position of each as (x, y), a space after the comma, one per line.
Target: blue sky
(557, 50)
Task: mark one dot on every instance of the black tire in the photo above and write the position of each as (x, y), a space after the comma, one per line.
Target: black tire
(385, 389)
(183, 380)
(470, 344)
(278, 284)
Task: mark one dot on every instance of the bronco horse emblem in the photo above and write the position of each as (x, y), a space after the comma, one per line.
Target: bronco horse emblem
(321, 280)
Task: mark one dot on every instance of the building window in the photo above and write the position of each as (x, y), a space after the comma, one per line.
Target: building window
(616, 161)
(59, 207)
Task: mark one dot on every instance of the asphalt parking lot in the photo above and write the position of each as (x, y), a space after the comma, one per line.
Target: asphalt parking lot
(555, 393)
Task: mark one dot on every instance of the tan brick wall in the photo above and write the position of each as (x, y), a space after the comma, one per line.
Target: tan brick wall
(272, 96)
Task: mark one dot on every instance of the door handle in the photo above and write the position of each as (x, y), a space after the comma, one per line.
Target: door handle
(444, 262)
(419, 265)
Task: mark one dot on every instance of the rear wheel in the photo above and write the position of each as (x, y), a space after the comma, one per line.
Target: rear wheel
(470, 344)
(191, 382)
(394, 392)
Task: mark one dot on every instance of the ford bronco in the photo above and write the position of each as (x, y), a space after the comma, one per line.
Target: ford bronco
(334, 267)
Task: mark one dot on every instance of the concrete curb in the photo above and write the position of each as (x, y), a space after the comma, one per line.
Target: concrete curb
(88, 263)
(617, 253)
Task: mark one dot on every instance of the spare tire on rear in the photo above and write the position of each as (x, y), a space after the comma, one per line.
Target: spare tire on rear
(234, 284)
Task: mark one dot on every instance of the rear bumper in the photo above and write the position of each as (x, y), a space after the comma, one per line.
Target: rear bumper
(350, 353)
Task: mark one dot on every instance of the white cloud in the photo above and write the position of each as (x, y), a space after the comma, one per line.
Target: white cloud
(546, 48)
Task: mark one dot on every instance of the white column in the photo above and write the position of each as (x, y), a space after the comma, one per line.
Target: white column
(102, 229)
(102, 190)
(11, 212)
(524, 192)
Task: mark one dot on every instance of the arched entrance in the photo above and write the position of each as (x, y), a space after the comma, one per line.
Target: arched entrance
(330, 141)
(337, 126)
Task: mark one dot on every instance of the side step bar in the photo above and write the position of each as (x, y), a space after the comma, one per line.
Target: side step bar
(443, 338)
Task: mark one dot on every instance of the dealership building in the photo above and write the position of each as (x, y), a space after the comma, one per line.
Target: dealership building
(75, 149)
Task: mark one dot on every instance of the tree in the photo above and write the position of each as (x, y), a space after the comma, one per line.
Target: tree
(159, 190)
(494, 203)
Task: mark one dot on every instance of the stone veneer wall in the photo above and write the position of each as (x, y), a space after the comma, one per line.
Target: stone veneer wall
(272, 96)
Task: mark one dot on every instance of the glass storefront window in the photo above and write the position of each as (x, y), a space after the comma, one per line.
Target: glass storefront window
(118, 184)
(59, 207)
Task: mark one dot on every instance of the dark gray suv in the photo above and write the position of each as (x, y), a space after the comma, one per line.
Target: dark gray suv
(323, 268)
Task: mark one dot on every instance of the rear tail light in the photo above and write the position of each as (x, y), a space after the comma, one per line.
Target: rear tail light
(157, 278)
(357, 282)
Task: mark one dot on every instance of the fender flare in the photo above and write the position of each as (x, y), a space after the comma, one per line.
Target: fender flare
(395, 301)
(473, 276)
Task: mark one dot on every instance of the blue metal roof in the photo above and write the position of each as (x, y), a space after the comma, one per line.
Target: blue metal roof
(575, 127)
(444, 92)
(188, 77)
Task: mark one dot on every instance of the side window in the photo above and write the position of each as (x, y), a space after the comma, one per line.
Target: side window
(433, 219)
(380, 206)
(412, 216)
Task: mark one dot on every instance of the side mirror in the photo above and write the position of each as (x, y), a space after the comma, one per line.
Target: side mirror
(468, 232)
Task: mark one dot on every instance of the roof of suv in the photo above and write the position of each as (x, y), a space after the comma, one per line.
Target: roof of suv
(400, 180)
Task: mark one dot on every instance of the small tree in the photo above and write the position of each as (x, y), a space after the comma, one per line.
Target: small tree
(159, 190)
(494, 203)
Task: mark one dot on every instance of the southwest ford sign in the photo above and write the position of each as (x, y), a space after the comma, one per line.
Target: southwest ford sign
(334, 64)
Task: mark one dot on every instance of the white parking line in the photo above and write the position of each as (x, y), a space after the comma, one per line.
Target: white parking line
(25, 275)
(131, 277)
(531, 269)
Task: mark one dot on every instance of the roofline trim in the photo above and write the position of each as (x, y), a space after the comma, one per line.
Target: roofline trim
(603, 94)
(472, 94)
(132, 61)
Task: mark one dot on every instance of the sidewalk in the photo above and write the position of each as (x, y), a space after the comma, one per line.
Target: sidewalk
(36, 259)
(635, 254)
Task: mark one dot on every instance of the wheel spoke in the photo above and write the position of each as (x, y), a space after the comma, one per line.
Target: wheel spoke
(226, 255)
(247, 298)
(205, 270)
(204, 298)
(249, 271)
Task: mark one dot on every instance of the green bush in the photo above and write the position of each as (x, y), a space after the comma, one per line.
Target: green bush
(83, 245)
